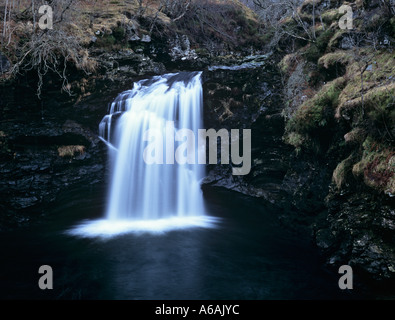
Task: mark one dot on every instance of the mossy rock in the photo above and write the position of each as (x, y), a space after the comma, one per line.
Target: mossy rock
(317, 48)
(378, 104)
(312, 53)
(107, 41)
(377, 166)
(296, 140)
(329, 60)
(342, 172)
(378, 84)
(358, 170)
(331, 16)
(355, 136)
(334, 41)
(317, 111)
(333, 65)
(287, 64)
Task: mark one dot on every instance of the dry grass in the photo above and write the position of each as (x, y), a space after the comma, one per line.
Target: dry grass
(70, 151)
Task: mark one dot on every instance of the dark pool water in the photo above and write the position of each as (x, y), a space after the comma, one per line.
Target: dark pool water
(248, 256)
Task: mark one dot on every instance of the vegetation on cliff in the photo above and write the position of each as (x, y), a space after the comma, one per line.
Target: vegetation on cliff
(81, 29)
(339, 89)
(340, 92)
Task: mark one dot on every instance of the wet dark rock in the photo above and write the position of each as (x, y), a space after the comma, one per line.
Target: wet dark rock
(22, 203)
(359, 231)
(120, 68)
(324, 239)
(33, 174)
(5, 64)
(180, 49)
(306, 182)
(242, 96)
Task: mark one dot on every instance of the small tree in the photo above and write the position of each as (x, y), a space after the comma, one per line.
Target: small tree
(274, 12)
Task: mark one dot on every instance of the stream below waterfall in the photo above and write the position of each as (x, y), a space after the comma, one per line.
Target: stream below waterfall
(248, 255)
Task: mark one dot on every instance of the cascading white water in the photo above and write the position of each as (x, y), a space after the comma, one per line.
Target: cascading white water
(143, 191)
(151, 197)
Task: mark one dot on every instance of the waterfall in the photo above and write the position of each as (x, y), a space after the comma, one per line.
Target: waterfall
(152, 196)
(143, 191)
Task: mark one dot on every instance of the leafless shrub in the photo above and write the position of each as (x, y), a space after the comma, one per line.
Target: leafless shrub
(48, 50)
(274, 14)
(53, 51)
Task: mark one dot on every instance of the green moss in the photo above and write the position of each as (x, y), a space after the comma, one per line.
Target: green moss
(342, 172)
(288, 63)
(330, 16)
(323, 40)
(316, 49)
(107, 41)
(330, 59)
(336, 37)
(295, 139)
(317, 111)
(118, 33)
(392, 24)
(377, 166)
(312, 53)
(380, 104)
(202, 52)
(356, 135)
(378, 84)
(382, 67)
(358, 169)
(374, 22)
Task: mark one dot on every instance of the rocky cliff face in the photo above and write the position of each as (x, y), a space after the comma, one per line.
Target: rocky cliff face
(46, 151)
(339, 109)
(50, 152)
(246, 96)
(50, 146)
(359, 231)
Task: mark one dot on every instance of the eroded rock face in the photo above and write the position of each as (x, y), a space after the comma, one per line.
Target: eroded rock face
(33, 171)
(359, 231)
(246, 96)
(243, 94)
(125, 65)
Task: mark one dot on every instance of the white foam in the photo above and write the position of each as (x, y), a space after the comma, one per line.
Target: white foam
(106, 228)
